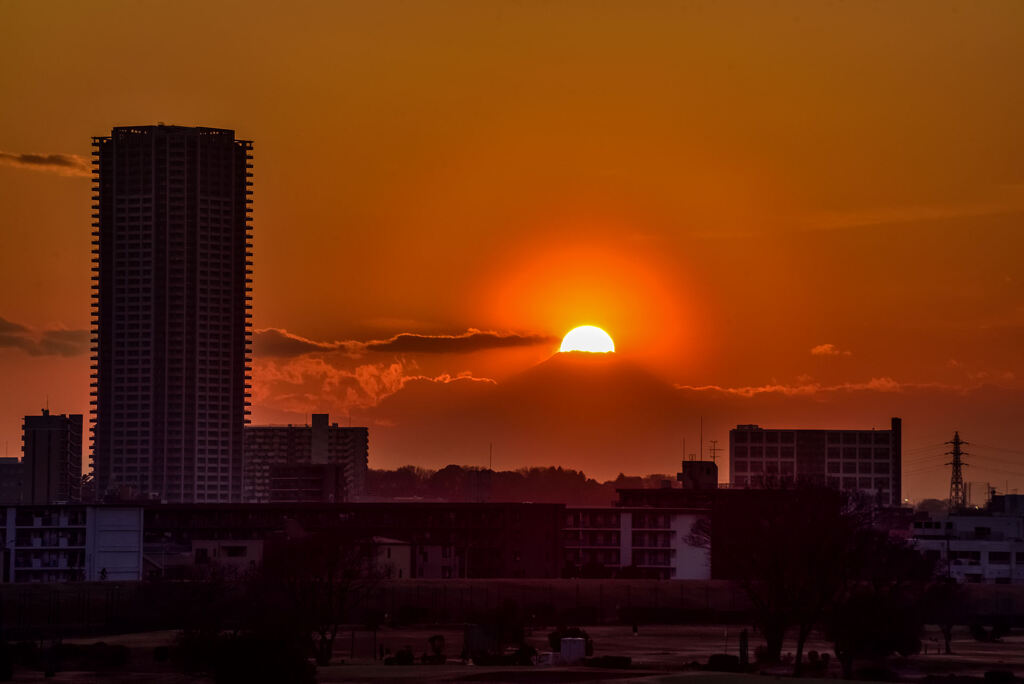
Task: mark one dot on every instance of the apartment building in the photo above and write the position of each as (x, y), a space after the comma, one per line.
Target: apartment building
(868, 461)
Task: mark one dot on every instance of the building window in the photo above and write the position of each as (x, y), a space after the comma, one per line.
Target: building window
(999, 557)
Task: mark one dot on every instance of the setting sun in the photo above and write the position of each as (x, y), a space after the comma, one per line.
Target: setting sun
(587, 338)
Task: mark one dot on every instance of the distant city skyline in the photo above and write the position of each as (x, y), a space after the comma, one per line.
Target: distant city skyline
(783, 222)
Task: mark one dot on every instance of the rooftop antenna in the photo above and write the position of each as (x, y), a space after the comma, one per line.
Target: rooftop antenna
(957, 491)
(490, 456)
(701, 447)
(714, 450)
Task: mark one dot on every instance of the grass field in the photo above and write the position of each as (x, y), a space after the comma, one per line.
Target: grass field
(660, 653)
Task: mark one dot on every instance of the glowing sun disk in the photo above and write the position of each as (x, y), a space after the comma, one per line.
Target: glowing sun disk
(587, 338)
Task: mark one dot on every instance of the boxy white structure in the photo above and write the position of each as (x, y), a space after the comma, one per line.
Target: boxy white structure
(69, 543)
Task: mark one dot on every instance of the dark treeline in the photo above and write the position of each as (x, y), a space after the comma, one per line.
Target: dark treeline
(538, 485)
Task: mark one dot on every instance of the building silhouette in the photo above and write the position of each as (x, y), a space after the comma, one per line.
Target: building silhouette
(868, 461)
(11, 480)
(319, 462)
(171, 283)
(51, 469)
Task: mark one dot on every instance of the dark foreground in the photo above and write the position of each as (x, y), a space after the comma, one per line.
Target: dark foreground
(661, 653)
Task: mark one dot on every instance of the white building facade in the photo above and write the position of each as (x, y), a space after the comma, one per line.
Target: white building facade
(984, 546)
(67, 543)
(647, 542)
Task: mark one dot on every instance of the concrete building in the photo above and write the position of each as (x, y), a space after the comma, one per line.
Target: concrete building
(392, 558)
(171, 282)
(11, 481)
(307, 483)
(486, 540)
(633, 542)
(979, 546)
(868, 461)
(52, 459)
(67, 543)
(319, 462)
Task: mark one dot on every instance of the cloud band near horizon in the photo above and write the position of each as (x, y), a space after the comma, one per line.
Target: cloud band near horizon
(48, 342)
(278, 342)
(61, 164)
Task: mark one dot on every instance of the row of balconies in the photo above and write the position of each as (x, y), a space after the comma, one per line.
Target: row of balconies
(62, 543)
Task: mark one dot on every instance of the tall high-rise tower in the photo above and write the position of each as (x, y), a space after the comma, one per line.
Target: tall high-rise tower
(171, 328)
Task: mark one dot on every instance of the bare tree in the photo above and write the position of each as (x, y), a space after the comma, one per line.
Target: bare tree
(324, 575)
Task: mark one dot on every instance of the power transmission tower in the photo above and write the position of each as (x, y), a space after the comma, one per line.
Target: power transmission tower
(957, 491)
(714, 450)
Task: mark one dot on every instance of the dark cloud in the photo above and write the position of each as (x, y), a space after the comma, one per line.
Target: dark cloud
(63, 164)
(50, 342)
(470, 341)
(278, 342)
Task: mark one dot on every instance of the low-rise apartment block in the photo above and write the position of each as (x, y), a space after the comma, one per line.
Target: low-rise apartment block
(633, 542)
(978, 546)
(66, 543)
(316, 463)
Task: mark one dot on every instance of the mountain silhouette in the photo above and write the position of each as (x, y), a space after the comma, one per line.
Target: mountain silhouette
(586, 387)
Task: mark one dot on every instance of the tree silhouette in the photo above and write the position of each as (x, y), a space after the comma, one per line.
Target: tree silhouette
(323, 574)
(811, 553)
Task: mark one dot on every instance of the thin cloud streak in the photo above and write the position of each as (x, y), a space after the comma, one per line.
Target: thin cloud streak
(48, 342)
(61, 164)
(883, 384)
(278, 342)
(471, 341)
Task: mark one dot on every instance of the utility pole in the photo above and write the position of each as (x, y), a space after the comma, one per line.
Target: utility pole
(714, 450)
(957, 491)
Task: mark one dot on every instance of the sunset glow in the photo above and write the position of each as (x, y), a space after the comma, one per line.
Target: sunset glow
(802, 214)
(587, 338)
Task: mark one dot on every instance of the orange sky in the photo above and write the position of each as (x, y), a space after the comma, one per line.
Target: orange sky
(723, 186)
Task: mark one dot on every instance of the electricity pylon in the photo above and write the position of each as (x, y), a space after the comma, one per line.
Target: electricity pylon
(957, 491)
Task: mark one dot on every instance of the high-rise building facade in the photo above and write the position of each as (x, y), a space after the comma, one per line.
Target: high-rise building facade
(171, 283)
(282, 461)
(51, 465)
(851, 460)
(11, 480)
